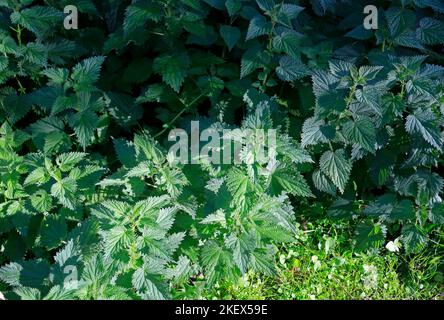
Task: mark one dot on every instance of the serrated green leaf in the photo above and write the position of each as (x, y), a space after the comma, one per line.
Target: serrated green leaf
(137, 14)
(322, 183)
(362, 132)
(413, 238)
(41, 201)
(291, 181)
(291, 69)
(173, 69)
(315, 131)
(38, 19)
(231, 35)
(424, 123)
(258, 26)
(84, 124)
(233, 6)
(368, 236)
(67, 161)
(335, 165)
(53, 231)
(265, 5)
(437, 213)
(37, 176)
(65, 191)
(86, 73)
(430, 31)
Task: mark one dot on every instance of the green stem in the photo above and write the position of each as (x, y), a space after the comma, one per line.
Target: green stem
(351, 95)
(18, 31)
(402, 89)
(22, 89)
(264, 82)
(19, 35)
(186, 108)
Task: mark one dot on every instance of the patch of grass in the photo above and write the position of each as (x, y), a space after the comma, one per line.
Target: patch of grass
(322, 266)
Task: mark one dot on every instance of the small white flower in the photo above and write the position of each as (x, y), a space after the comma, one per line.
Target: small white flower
(316, 262)
(393, 246)
(369, 269)
(244, 281)
(2, 297)
(282, 259)
(371, 277)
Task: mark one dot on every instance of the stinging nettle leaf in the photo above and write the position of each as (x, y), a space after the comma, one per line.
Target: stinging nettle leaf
(38, 19)
(67, 161)
(368, 236)
(53, 231)
(266, 5)
(173, 69)
(322, 183)
(137, 14)
(84, 125)
(233, 6)
(252, 59)
(288, 42)
(424, 123)
(291, 69)
(361, 132)
(231, 35)
(291, 181)
(436, 215)
(335, 165)
(431, 31)
(87, 72)
(413, 238)
(258, 26)
(315, 131)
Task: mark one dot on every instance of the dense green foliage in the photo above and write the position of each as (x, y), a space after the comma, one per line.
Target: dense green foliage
(93, 206)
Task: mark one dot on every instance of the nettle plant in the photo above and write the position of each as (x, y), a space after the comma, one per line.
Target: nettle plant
(160, 224)
(228, 216)
(378, 130)
(93, 204)
(34, 186)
